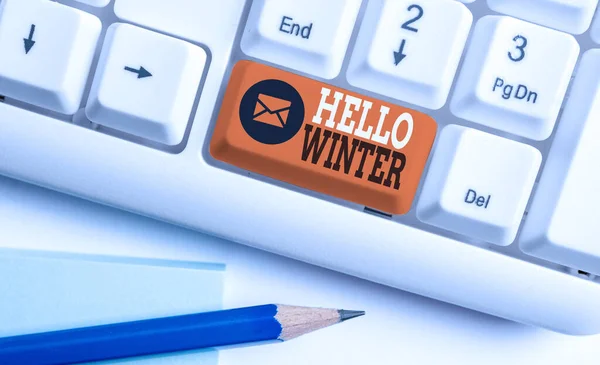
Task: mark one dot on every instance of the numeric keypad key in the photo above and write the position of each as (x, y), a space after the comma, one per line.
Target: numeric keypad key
(478, 184)
(309, 36)
(46, 51)
(410, 49)
(515, 76)
(573, 16)
(97, 3)
(562, 225)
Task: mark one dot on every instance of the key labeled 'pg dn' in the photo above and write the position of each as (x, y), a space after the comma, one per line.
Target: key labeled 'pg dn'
(322, 138)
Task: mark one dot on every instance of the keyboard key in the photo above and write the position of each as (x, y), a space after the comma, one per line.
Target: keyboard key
(482, 194)
(595, 29)
(97, 3)
(562, 224)
(572, 16)
(309, 36)
(146, 84)
(196, 20)
(410, 49)
(323, 138)
(515, 76)
(46, 53)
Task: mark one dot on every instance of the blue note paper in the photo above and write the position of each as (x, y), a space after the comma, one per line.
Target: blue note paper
(42, 291)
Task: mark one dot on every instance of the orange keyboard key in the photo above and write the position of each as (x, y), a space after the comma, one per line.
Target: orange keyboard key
(322, 138)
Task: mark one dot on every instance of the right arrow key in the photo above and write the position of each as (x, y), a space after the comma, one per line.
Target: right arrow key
(146, 84)
(141, 72)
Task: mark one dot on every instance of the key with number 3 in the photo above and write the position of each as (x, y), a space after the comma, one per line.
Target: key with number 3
(515, 76)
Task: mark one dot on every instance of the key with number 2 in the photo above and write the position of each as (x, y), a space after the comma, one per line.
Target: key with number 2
(410, 49)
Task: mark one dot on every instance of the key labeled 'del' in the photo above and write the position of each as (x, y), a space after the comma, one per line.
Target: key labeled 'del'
(479, 200)
(483, 194)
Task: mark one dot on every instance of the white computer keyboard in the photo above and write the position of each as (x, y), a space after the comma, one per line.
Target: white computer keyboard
(408, 142)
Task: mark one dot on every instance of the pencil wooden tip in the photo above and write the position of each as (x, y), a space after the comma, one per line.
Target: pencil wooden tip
(297, 321)
(346, 314)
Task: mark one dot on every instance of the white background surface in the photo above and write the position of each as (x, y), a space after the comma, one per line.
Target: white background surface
(400, 328)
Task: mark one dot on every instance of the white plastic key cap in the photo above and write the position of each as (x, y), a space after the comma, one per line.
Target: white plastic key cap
(46, 51)
(478, 184)
(203, 21)
(97, 3)
(562, 225)
(410, 49)
(515, 76)
(309, 36)
(146, 84)
(595, 28)
(572, 16)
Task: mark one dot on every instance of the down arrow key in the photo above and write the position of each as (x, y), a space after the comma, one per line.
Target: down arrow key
(399, 55)
(29, 42)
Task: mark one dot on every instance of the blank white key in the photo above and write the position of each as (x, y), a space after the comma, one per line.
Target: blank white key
(205, 21)
(146, 84)
(97, 3)
(595, 29)
(410, 49)
(478, 184)
(515, 76)
(562, 225)
(46, 51)
(309, 36)
(572, 16)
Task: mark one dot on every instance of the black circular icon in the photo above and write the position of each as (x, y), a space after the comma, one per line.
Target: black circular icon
(272, 111)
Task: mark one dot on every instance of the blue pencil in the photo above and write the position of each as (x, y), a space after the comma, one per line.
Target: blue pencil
(161, 335)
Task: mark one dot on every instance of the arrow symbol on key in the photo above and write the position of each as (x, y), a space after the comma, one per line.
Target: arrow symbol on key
(141, 72)
(399, 55)
(29, 42)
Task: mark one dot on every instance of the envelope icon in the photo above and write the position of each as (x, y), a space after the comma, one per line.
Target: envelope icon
(271, 110)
